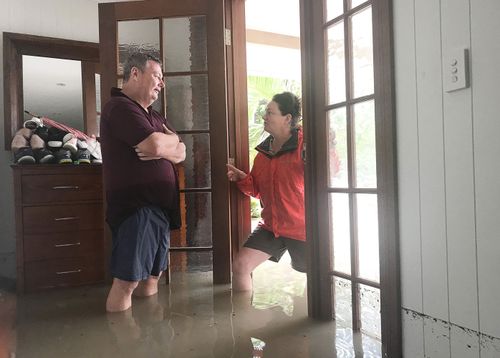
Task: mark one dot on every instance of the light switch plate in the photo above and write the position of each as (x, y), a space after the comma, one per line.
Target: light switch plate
(456, 70)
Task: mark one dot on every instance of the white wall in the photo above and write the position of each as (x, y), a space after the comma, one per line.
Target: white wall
(75, 20)
(449, 175)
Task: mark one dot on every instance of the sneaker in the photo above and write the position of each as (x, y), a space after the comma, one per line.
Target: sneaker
(42, 132)
(44, 156)
(70, 142)
(54, 144)
(63, 156)
(82, 157)
(94, 148)
(24, 156)
(56, 134)
(55, 138)
(81, 144)
(33, 123)
(21, 139)
(36, 142)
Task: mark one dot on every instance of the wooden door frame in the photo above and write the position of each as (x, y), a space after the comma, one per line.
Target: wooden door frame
(385, 114)
(238, 118)
(109, 14)
(320, 293)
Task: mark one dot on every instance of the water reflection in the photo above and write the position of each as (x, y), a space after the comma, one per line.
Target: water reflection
(141, 332)
(188, 318)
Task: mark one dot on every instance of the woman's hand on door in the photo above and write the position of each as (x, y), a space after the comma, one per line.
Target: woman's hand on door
(235, 174)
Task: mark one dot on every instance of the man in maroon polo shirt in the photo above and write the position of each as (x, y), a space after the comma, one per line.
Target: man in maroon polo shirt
(139, 150)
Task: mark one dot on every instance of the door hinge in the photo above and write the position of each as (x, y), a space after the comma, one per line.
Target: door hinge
(227, 37)
(304, 152)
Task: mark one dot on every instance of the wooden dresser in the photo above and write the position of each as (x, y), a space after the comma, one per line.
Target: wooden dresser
(59, 225)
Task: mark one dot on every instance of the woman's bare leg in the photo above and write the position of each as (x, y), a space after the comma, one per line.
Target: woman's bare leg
(245, 262)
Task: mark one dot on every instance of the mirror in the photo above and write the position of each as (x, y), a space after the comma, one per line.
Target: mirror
(36, 79)
(52, 87)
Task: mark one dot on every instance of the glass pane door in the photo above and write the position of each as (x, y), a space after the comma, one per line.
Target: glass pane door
(352, 175)
(183, 51)
(187, 107)
(188, 38)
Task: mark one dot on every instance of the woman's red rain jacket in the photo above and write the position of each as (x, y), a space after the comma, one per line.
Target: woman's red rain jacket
(278, 181)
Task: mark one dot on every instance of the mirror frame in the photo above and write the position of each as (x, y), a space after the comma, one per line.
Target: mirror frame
(16, 45)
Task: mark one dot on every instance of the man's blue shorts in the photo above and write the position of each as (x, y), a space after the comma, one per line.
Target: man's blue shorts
(140, 245)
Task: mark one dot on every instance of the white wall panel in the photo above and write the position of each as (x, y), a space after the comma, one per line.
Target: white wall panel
(459, 170)
(464, 342)
(436, 338)
(86, 12)
(50, 23)
(489, 347)
(431, 163)
(407, 137)
(4, 14)
(413, 334)
(33, 13)
(485, 15)
(65, 10)
(448, 176)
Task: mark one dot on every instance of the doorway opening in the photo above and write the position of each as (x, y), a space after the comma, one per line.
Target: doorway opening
(274, 65)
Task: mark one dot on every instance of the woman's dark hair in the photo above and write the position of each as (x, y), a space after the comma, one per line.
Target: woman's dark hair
(138, 60)
(288, 103)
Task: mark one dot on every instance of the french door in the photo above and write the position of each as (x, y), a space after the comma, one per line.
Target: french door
(351, 177)
(188, 36)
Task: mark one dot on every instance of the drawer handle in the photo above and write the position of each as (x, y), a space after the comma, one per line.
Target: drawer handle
(66, 245)
(68, 272)
(65, 187)
(66, 218)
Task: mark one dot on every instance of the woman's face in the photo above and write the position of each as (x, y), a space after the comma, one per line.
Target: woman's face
(274, 121)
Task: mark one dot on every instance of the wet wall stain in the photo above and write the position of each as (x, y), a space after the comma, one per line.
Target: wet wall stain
(489, 346)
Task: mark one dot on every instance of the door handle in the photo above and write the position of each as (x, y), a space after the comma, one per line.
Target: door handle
(66, 218)
(68, 272)
(65, 187)
(66, 245)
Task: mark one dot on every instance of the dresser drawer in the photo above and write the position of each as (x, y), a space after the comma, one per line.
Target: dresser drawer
(39, 189)
(62, 218)
(63, 272)
(60, 245)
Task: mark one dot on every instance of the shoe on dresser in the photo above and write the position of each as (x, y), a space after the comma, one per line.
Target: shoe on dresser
(44, 156)
(82, 156)
(24, 156)
(63, 156)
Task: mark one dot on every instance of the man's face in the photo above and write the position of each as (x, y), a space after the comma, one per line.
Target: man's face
(150, 82)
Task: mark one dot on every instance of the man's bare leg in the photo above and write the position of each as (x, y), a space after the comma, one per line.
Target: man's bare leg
(148, 287)
(120, 295)
(244, 264)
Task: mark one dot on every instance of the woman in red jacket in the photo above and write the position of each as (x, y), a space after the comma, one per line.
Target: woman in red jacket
(277, 179)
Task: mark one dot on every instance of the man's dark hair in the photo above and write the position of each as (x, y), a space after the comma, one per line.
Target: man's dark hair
(138, 60)
(288, 103)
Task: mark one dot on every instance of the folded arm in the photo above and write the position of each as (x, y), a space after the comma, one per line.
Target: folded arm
(161, 145)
